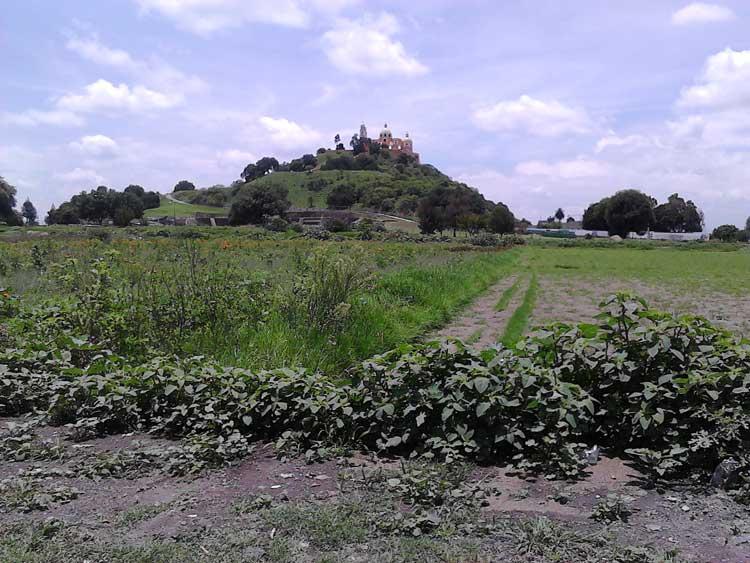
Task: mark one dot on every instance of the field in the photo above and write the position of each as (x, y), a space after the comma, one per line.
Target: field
(169, 208)
(237, 395)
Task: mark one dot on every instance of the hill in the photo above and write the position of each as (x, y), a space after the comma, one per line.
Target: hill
(372, 182)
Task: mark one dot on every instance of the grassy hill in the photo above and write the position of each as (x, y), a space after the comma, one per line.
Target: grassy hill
(386, 185)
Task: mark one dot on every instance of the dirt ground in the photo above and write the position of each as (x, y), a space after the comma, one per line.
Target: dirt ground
(130, 516)
(482, 325)
(576, 299)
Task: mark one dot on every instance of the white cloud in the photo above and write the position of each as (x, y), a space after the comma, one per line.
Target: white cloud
(96, 145)
(287, 134)
(613, 140)
(82, 177)
(205, 17)
(725, 82)
(530, 115)
(32, 118)
(234, 158)
(701, 12)
(103, 96)
(567, 169)
(367, 47)
(91, 49)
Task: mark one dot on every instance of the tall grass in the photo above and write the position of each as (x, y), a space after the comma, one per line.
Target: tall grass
(400, 306)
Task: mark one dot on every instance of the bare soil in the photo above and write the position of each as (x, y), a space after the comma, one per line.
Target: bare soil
(576, 299)
(704, 525)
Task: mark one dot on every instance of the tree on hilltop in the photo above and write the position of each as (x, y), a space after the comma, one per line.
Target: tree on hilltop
(559, 214)
(184, 186)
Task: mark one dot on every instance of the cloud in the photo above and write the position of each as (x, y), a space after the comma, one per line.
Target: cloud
(81, 176)
(612, 140)
(153, 72)
(103, 96)
(205, 17)
(724, 83)
(32, 118)
(367, 47)
(234, 158)
(287, 134)
(566, 169)
(530, 115)
(701, 12)
(96, 145)
(91, 49)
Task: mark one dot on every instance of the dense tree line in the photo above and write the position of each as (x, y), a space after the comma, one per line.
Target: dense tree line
(104, 204)
(731, 233)
(633, 211)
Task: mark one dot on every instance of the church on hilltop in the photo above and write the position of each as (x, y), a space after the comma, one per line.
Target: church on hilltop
(394, 145)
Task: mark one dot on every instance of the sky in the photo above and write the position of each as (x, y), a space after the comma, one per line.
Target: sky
(539, 104)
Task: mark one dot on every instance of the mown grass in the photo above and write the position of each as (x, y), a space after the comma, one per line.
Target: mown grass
(519, 321)
(677, 266)
(507, 295)
(171, 209)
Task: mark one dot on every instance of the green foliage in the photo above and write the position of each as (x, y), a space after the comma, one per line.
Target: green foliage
(725, 233)
(629, 211)
(184, 186)
(611, 509)
(671, 392)
(501, 219)
(254, 204)
(7, 199)
(678, 216)
(18, 494)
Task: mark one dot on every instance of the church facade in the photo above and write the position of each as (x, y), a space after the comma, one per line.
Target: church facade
(395, 145)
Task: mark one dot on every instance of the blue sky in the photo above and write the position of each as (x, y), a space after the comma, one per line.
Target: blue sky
(538, 103)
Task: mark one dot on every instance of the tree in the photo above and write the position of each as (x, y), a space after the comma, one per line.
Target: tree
(267, 164)
(501, 220)
(678, 216)
(629, 211)
(255, 203)
(150, 200)
(337, 140)
(431, 211)
(136, 190)
(7, 199)
(321, 150)
(29, 213)
(570, 220)
(341, 197)
(725, 233)
(559, 214)
(442, 207)
(747, 224)
(184, 186)
(66, 214)
(595, 216)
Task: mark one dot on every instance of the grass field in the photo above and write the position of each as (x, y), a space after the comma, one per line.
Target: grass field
(132, 358)
(171, 209)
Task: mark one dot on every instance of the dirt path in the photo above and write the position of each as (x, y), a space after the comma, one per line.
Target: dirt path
(482, 325)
